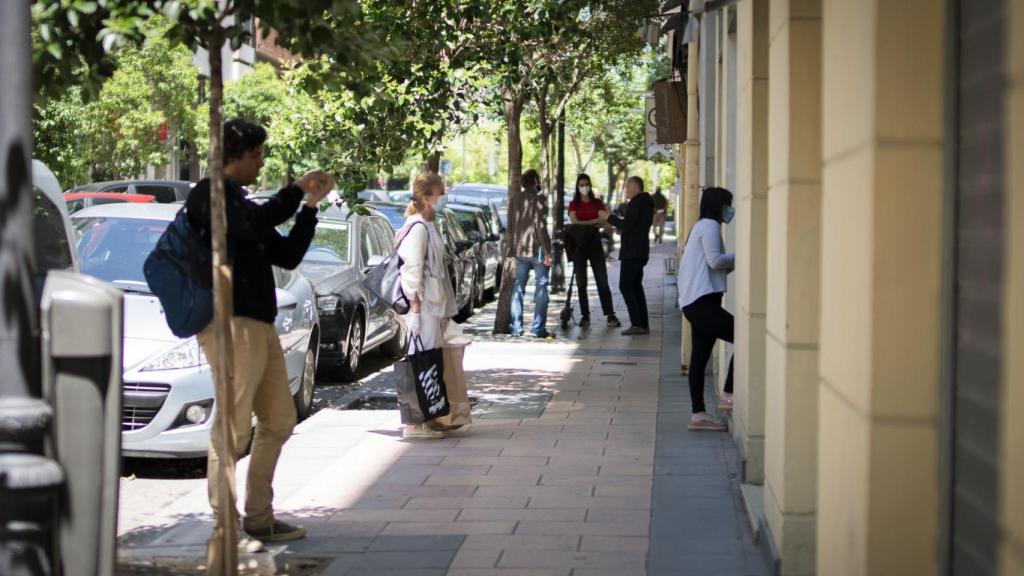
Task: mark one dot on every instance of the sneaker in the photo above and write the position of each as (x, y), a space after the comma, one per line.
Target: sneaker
(544, 335)
(585, 322)
(635, 331)
(613, 321)
(247, 544)
(703, 421)
(421, 432)
(279, 531)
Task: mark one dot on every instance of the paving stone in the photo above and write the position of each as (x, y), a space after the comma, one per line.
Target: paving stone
(506, 480)
(627, 544)
(402, 515)
(413, 543)
(510, 572)
(465, 528)
(531, 490)
(476, 559)
(528, 528)
(470, 502)
(627, 562)
(521, 542)
(499, 514)
(591, 503)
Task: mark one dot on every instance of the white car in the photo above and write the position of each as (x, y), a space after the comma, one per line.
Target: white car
(168, 390)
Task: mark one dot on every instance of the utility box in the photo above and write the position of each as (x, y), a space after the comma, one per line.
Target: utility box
(82, 369)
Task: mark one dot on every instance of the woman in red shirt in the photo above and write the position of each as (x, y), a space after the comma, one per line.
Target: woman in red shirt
(588, 214)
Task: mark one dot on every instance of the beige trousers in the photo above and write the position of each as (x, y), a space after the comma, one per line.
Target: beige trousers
(261, 387)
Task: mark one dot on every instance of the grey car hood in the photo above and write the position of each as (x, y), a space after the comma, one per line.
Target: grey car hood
(145, 329)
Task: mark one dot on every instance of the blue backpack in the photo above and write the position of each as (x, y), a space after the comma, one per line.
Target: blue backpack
(179, 272)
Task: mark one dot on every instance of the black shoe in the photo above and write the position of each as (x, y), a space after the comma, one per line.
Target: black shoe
(544, 334)
(278, 532)
(613, 321)
(635, 331)
(585, 321)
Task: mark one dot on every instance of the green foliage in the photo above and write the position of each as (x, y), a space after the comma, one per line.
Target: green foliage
(117, 133)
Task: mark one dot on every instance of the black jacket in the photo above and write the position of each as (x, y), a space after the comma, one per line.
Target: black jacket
(635, 227)
(254, 243)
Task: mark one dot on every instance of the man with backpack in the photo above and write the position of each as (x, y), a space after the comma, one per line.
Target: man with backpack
(260, 379)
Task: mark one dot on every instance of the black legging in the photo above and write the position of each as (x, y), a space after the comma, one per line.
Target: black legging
(592, 252)
(708, 322)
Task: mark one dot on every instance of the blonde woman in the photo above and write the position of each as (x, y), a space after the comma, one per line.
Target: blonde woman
(424, 276)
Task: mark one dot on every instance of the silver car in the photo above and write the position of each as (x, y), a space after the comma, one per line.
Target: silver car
(168, 391)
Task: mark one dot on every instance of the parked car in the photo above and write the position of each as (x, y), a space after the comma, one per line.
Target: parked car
(459, 256)
(463, 192)
(165, 191)
(79, 200)
(353, 320)
(372, 195)
(53, 235)
(487, 247)
(168, 390)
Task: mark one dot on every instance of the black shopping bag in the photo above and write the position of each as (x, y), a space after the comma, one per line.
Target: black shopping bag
(419, 378)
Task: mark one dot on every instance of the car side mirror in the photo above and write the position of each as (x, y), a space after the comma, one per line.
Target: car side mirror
(463, 245)
(494, 238)
(286, 300)
(474, 235)
(375, 260)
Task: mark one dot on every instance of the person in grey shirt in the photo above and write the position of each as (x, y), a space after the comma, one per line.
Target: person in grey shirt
(702, 283)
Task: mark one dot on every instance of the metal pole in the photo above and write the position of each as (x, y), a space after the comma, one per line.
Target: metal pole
(558, 272)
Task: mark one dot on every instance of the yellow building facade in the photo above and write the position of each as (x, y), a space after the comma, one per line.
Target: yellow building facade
(879, 288)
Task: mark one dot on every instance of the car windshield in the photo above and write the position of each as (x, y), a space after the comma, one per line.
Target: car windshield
(330, 243)
(114, 249)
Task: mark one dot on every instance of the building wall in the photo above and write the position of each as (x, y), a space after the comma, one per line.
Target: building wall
(751, 201)
(881, 257)
(1012, 554)
(793, 280)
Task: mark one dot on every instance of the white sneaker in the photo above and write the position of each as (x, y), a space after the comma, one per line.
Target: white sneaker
(421, 432)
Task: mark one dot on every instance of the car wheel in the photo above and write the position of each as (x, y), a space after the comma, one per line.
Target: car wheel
(304, 395)
(350, 365)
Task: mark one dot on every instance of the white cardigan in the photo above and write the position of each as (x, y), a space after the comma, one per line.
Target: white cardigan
(423, 271)
(706, 264)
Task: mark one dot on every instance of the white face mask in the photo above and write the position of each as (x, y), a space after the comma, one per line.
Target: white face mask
(584, 189)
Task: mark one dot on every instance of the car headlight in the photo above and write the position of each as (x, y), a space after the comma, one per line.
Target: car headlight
(188, 354)
(328, 303)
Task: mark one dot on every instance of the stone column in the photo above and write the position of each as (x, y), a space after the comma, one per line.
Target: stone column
(1012, 561)
(751, 202)
(881, 262)
(794, 280)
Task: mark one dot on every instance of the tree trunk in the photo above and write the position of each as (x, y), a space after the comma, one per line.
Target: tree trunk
(513, 116)
(434, 162)
(222, 548)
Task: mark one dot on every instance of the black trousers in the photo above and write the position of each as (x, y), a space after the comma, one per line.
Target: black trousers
(631, 285)
(593, 253)
(708, 322)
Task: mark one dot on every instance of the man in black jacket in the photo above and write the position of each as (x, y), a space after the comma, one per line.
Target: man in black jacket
(260, 378)
(635, 227)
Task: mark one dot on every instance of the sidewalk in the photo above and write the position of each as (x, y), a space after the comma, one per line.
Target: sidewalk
(578, 464)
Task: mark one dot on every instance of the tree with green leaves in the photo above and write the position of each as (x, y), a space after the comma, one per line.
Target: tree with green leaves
(541, 50)
(136, 119)
(72, 31)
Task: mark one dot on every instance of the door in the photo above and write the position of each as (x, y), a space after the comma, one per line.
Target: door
(370, 247)
(978, 254)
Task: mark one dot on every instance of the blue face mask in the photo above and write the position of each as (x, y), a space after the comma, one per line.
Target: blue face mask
(728, 214)
(441, 202)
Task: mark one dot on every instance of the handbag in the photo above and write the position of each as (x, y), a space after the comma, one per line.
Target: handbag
(420, 386)
(460, 413)
(385, 280)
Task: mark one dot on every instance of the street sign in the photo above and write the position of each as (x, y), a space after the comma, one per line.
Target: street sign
(653, 147)
(670, 112)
